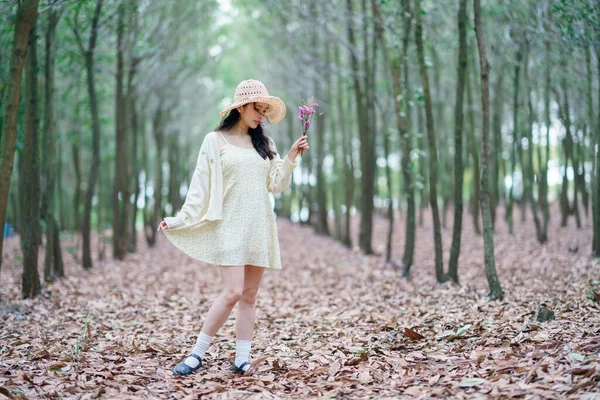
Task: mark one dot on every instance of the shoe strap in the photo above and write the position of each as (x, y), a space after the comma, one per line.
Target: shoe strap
(241, 367)
(197, 357)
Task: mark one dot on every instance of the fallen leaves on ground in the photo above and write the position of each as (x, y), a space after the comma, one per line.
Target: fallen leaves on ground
(334, 322)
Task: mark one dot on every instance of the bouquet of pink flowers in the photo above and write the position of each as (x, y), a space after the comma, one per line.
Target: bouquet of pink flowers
(307, 110)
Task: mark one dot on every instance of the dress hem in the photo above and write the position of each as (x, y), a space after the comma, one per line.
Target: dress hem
(217, 263)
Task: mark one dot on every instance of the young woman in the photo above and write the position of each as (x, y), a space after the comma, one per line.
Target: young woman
(227, 218)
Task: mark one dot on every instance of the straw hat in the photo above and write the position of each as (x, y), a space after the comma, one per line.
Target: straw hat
(253, 91)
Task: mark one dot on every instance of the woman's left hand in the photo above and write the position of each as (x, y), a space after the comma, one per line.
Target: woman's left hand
(300, 146)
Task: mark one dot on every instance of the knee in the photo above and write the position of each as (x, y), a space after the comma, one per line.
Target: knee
(249, 296)
(232, 296)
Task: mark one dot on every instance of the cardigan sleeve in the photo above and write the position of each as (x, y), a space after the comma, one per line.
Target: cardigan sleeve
(280, 171)
(196, 200)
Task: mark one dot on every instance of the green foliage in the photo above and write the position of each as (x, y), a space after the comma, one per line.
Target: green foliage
(577, 20)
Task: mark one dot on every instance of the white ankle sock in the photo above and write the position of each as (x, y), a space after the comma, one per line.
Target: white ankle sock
(242, 353)
(199, 349)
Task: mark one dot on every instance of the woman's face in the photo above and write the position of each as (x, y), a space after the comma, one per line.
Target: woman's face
(253, 113)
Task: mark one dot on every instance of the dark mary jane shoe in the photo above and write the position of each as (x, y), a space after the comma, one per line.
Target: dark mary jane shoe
(183, 369)
(240, 370)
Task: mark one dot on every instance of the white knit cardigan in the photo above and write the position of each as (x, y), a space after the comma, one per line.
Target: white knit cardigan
(204, 199)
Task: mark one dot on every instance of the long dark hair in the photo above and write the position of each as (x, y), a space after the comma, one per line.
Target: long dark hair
(260, 140)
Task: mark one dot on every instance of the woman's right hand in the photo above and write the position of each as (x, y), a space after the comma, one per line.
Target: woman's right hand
(162, 227)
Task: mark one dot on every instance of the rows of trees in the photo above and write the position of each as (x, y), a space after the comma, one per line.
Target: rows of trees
(427, 106)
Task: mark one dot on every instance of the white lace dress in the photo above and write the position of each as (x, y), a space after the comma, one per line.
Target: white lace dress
(247, 233)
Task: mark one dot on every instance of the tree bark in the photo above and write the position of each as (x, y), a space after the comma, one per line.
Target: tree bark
(544, 174)
(401, 124)
(406, 143)
(498, 169)
(52, 265)
(530, 176)
(26, 15)
(88, 54)
(30, 177)
(472, 147)
(596, 175)
(133, 128)
(157, 212)
(433, 156)
(120, 195)
(458, 147)
(386, 141)
(347, 164)
(565, 115)
(515, 144)
(337, 192)
(367, 167)
(496, 292)
(321, 226)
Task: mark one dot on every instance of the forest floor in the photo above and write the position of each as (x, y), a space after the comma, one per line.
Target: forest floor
(332, 323)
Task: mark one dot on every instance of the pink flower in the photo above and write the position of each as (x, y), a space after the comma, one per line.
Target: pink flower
(307, 124)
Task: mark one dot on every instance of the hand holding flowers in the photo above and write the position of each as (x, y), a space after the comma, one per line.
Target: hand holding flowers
(307, 111)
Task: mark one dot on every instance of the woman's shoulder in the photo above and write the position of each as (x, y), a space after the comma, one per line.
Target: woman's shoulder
(210, 135)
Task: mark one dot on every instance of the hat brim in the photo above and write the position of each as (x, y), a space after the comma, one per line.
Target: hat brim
(275, 112)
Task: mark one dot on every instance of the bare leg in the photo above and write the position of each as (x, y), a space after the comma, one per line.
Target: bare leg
(233, 288)
(244, 324)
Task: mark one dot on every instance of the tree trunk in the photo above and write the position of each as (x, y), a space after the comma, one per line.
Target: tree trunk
(498, 169)
(26, 15)
(367, 167)
(515, 143)
(547, 121)
(93, 177)
(422, 175)
(174, 175)
(132, 119)
(120, 195)
(156, 215)
(488, 232)
(406, 143)
(458, 147)
(401, 124)
(530, 175)
(472, 142)
(30, 177)
(337, 137)
(147, 223)
(76, 154)
(433, 156)
(321, 226)
(347, 164)
(565, 114)
(52, 264)
(596, 166)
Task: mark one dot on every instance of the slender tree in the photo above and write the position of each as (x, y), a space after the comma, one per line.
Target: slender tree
(516, 141)
(26, 15)
(596, 177)
(473, 153)
(406, 144)
(366, 139)
(433, 156)
(53, 264)
(530, 175)
(496, 292)
(120, 197)
(321, 225)
(30, 177)
(458, 147)
(88, 54)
